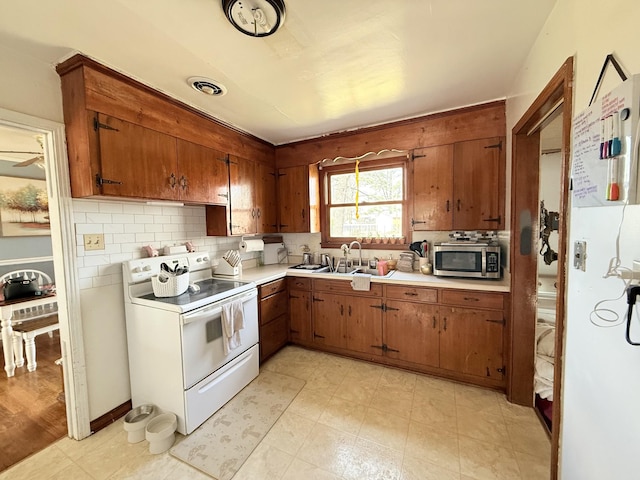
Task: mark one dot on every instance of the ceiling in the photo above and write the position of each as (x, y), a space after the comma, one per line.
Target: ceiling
(335, 65)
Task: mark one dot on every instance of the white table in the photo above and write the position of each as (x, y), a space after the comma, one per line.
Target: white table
(7, 309)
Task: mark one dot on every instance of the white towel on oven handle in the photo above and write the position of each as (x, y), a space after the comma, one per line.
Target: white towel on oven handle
(232, 323)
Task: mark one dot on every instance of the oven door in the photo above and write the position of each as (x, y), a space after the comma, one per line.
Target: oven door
(202, 344)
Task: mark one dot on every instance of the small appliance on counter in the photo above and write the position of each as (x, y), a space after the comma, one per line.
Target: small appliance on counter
(468, 254)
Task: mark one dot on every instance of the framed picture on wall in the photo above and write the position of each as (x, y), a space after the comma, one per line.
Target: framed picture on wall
(24, 207)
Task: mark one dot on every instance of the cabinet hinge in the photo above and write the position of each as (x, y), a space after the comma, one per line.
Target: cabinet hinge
(97, 125)
(381, 307)
(415, 222)
(315, 335)
(105, 181)
(293, 296)
(414, 156)
(281, 174)
(317, 299)
(497, 145)
(493, 219)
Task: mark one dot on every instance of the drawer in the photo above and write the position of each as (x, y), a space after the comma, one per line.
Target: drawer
(273, 287)
(273, 307)
(344, 287)
(299, 283)
(273, 336)
(415, 294)
(467, 298)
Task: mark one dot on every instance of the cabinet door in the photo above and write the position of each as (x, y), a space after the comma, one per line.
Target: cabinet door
(242, 201)
(328, 320)
(299, 316)
(293, 201)
(477, 184)
(471, 341)
(142, 162)
(411, 332)
(204, 176)
(433, 188)
(363, 324)
(273, 336)
(266, 199)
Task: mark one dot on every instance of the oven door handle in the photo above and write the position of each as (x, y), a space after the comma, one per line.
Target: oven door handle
(215, 309)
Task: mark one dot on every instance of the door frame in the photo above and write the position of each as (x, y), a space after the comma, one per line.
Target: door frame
(63, 242)
(525, 226)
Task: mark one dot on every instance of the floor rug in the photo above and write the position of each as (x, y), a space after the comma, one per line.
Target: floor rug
(221, 445)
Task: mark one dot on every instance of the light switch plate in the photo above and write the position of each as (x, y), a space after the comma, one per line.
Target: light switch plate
(94, 241)
(580, 255)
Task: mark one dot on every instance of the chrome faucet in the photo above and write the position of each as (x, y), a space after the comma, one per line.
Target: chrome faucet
(355, 242)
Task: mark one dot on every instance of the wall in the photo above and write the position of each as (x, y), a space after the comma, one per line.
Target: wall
(601, 419)
(550, 181)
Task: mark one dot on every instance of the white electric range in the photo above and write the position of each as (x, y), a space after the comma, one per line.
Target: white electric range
(175, 344)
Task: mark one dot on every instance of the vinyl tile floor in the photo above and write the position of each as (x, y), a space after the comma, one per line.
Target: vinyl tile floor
(352, 420)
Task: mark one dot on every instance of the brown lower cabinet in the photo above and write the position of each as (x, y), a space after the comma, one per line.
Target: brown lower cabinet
(272, 317)
(458, 334)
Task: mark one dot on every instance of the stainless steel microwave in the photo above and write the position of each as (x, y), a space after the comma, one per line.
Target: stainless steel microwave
(460, 259)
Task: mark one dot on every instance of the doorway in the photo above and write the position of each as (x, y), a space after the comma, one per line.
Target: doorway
(67, 344)
(525, 225)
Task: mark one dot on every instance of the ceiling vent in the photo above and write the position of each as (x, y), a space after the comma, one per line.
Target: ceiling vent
(207, 86)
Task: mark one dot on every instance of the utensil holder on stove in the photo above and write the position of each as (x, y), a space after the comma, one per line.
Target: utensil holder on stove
(169, 285)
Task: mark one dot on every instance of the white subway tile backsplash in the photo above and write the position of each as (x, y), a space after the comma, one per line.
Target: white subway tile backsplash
(143, 218)
(111, 269)
(113, 228)
(133, 228)
(85, 283)
(123, 218)
(86, 206)
(124, 238)
(153, 228)
(82, 228)
(79, 217)
(133, 208)
(87, 272)
(96, 260)
(110, 207)
(145, 237)
(99, 218)
(152, 210)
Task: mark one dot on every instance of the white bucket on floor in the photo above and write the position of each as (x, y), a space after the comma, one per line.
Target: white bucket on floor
(161, 432)
(136, 421)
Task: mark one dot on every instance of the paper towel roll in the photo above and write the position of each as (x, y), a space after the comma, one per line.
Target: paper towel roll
(251, 246)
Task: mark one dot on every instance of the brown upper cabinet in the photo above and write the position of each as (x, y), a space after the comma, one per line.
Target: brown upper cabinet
(127, 140)
(459, 186)
(299, 199)
(253, 197)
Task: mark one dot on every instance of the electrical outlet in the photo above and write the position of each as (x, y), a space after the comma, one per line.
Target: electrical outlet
(94, 241)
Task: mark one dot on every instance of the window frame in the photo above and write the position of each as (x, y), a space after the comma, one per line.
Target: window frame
(327, 171)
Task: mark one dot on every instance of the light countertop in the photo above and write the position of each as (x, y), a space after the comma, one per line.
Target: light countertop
(268, 273)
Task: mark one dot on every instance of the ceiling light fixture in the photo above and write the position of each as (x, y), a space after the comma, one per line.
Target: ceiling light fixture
(256, 18)
(207, 86)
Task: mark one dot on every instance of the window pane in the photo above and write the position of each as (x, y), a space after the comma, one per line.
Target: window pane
(375, 186)
(375, 221)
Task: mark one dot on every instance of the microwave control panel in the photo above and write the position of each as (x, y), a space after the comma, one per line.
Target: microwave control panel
(493, 264)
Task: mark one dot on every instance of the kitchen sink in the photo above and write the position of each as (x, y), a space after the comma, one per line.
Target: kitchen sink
(371, 271)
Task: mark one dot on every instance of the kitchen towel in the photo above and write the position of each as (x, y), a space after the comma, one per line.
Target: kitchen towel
(361, 281)
(232, 323)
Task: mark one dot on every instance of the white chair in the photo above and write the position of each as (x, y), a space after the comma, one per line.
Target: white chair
(27, 323)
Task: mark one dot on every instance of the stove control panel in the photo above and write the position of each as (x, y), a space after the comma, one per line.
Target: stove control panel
(142, 269)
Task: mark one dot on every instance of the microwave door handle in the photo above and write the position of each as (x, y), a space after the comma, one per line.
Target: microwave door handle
(484, 262)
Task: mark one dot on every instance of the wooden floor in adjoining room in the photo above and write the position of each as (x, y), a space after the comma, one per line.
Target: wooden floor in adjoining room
(32, 409)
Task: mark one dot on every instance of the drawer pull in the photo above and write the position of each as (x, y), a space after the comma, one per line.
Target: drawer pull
(435, 322)
(502, 321)
(293, 296)
(411, 294)
(445, 324)
(471, 299)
